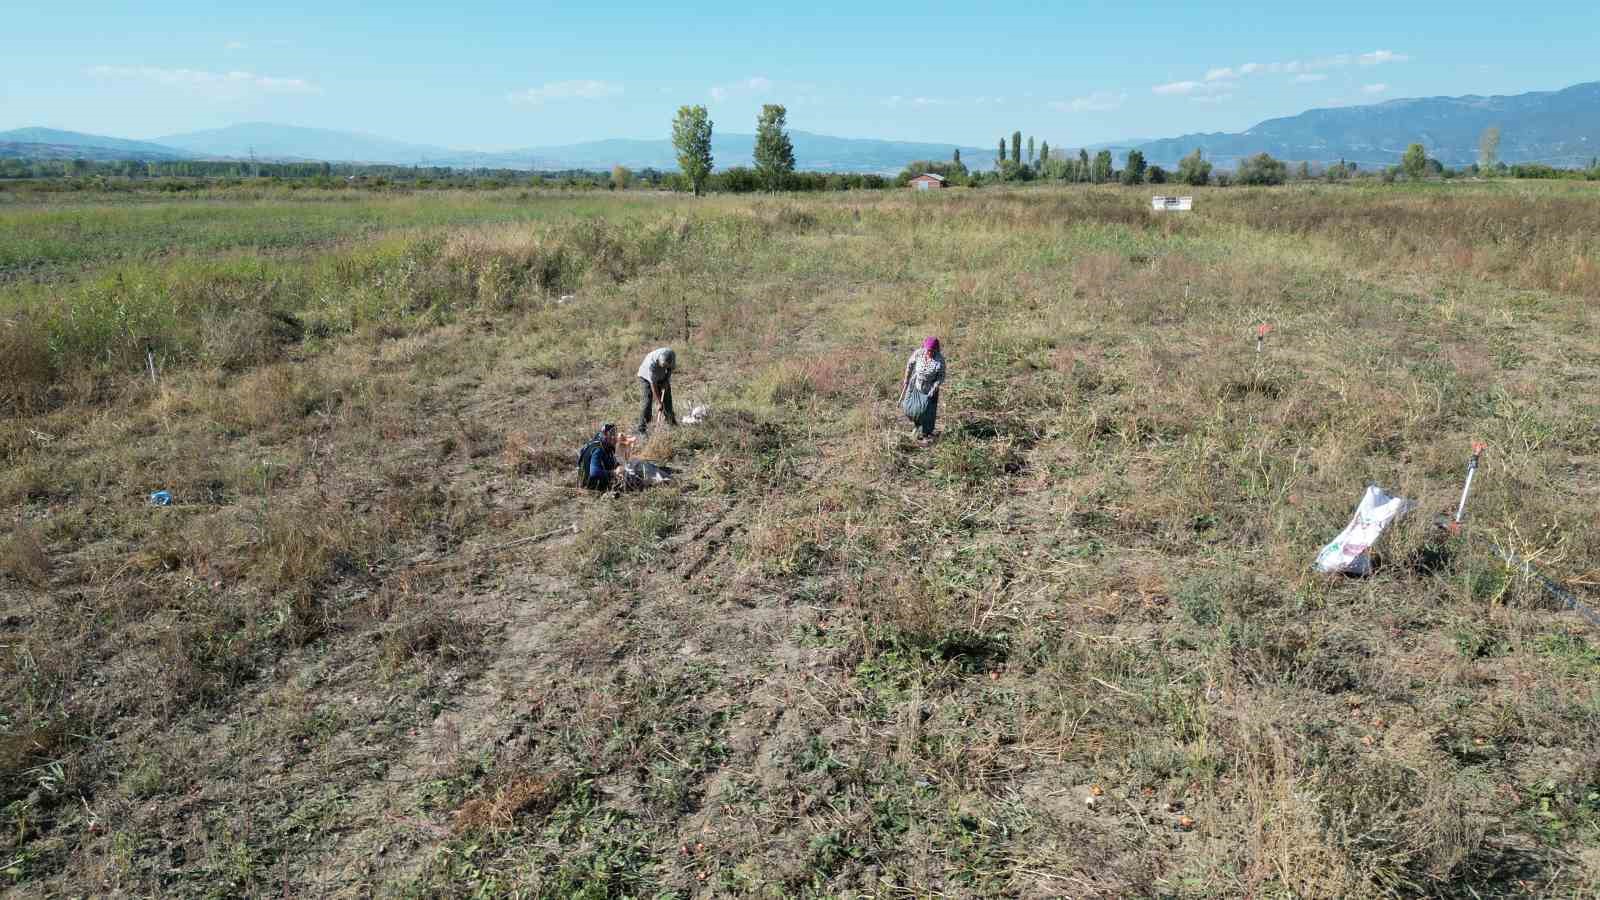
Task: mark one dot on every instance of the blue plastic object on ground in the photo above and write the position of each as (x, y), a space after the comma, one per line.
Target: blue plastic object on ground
(161, 498)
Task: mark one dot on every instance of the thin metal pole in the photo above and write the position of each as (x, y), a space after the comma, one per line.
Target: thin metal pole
(1466, 489)
(1568, 600)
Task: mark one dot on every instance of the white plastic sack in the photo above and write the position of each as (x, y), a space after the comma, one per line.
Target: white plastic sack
(1348, 553)
(696, 415)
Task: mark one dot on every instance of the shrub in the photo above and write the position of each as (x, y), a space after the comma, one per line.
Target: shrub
(1262, 169)
(23, 558)
(1133, 172)
(26, 369)
(1194, 169)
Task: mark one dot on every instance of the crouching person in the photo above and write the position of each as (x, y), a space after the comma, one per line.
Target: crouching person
(597, 462)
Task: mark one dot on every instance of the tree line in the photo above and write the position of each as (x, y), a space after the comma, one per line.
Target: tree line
(775, 168)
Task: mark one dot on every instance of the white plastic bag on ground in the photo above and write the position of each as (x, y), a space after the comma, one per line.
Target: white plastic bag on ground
(696, 415)
(1348, 553)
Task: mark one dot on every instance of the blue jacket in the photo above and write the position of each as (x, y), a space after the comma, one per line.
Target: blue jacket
(602, 460)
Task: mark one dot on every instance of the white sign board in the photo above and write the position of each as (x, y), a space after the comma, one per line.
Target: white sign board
(1171, 204)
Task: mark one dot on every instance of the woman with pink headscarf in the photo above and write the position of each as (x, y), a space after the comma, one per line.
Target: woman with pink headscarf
(919, 391)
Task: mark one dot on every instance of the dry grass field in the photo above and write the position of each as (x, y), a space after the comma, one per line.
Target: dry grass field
(381, 644)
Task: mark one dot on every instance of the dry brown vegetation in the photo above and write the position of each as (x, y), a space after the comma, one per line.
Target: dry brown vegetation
(382, 644)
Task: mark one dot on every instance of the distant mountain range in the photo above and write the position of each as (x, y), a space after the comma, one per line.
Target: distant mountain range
(268, 142)
(1561, 128)
(1557, 127)
(291, 142)
(48, 143)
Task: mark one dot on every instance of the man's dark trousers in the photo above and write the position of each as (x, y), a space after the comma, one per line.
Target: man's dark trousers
(647, 411)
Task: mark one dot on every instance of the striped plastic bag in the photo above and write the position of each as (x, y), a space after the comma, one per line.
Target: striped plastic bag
(1349, 553)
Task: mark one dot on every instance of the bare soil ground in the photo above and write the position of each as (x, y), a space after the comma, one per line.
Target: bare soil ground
(383, 645)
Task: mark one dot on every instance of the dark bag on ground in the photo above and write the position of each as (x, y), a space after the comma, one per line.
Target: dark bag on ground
(915, 404)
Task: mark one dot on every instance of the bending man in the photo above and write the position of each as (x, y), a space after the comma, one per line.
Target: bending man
(655, 377)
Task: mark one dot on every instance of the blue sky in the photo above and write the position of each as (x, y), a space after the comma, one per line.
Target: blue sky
(505, 75)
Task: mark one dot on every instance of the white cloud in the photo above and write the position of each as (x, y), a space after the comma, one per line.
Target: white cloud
(757, 84)
(1099, 101)
(1378, 57)
(1215, 98)
(565, 90)
(223, 85)
(1222, 78)
(1374, 88)
(235, 45)
(1192, 88)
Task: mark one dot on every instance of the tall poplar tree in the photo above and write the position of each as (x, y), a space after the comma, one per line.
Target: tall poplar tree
(774, 151)
(691, 138)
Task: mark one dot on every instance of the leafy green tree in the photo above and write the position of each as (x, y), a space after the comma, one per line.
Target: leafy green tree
(737, 180)
(957, 158)
(1489, 147)
(1001, 156)
(1133, 172)
(620, 176)
(1016, 147)
(1194, 169)
(1044, 152)
(1058, 169)
(1030, 149)
(1011, 170)
(691, 139)
(1262, 169)
(1102, 167)
(774, 151)
(1415, 162)
(1303, 173)
(1083, 164)
(1157, 175)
